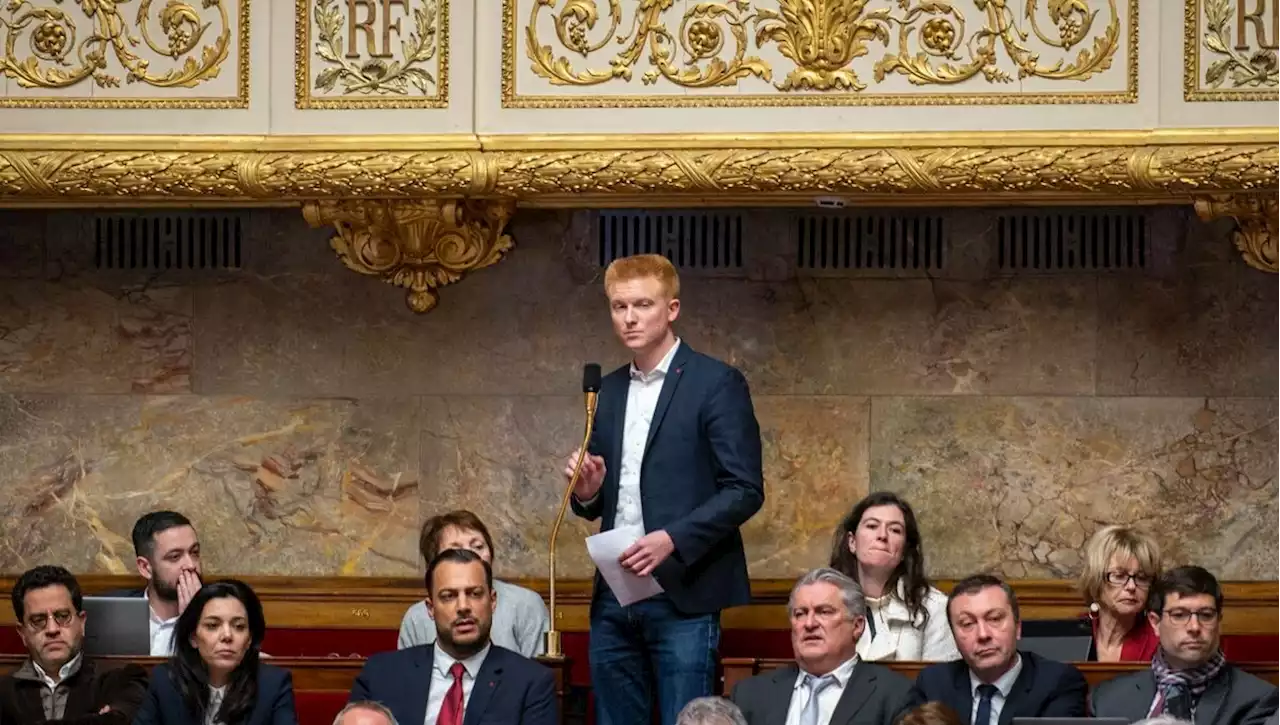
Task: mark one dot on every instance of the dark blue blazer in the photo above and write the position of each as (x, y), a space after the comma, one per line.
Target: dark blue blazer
(164, 706)
(1044, 688)
(509, 689)
(701, 477)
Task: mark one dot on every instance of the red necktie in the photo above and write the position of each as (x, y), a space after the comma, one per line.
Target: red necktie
(451, 709)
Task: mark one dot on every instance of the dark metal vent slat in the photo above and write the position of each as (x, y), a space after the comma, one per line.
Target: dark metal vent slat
(865, 241)
(167, 241)
(1072, 240)
(690, 239)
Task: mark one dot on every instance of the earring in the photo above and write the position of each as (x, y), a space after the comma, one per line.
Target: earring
(1093, 610)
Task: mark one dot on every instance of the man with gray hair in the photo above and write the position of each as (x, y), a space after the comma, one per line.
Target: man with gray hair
(828, 685)
(365, 712)
(710, 711)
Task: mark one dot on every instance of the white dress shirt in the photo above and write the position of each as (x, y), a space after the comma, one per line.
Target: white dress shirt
(828, 698)
(161, 635)
(642, 400)
(216, 694)
(66, 671)
(441, 680)
(1004, 685)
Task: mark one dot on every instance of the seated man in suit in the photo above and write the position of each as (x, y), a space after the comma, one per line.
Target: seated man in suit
(58, 683)
(168, 558)
(462, 676)
(828, 685)
(1189, 678)
(993, 682)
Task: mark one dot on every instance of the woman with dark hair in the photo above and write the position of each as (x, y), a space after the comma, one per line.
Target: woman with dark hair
(214, 676)
(878, 545)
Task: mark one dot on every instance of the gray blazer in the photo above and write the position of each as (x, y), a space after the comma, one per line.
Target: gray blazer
(1235, 698)
(875, 695)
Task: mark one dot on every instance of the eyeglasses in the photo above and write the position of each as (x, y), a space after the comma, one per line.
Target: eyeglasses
(1182, 616)
(63, 618)
(1121, 578)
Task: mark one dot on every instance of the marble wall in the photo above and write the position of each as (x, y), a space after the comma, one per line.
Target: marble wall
(307, 421)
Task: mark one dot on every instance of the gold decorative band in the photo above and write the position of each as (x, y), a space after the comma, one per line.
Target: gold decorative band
(1109, 167)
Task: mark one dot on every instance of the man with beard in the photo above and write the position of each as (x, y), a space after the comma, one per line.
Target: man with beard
(462, 672)
(168, 557)
(58, 683)
(1189, 679)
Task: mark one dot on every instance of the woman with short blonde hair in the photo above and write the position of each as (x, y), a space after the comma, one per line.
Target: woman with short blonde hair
(1120, 565)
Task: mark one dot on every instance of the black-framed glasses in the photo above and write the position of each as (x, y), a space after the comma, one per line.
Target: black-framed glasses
(1121, 578)
(63, 618)
(1182, 616)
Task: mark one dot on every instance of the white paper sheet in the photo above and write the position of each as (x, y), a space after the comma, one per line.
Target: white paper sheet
(605, 548)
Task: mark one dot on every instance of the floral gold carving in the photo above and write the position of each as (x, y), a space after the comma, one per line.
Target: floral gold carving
(1146, 165)
(404, 61)
(420, 245)
(933, 43)
(1222, 62)
(48, 46)
(1256, 218)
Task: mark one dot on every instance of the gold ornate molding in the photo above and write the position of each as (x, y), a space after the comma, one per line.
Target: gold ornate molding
(420, 245)
(331, 71)
(1239, 70)
(1255, 216)
(888, 168)
(708, 45)
(103, 48)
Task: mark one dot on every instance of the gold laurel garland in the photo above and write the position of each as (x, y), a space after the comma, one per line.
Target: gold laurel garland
(375, 76)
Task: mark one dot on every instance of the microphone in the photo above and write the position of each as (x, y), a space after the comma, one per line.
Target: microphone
(590, 391)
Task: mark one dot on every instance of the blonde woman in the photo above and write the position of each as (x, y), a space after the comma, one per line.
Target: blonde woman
(1120, 565)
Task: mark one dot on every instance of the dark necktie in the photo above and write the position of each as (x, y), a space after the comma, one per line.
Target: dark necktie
(451, 708)
(1178, 704)
(985, 693)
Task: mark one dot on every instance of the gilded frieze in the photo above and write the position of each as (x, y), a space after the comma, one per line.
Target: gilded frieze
(1230, 51)
(372, 54)
(611, 53)
(104, 54)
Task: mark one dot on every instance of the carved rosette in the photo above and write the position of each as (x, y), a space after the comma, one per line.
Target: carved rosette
(420, 245)
(1255, 217)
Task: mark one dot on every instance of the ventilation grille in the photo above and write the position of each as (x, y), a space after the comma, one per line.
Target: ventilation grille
(167, 241)
(890, 242)
(1071, 240)
(691, 240)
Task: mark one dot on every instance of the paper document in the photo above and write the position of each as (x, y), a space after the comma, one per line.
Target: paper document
(605, 550)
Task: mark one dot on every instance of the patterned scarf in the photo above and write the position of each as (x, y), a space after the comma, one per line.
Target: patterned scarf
(1190, 683)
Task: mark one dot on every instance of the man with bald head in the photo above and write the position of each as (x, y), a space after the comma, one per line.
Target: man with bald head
(365, 713)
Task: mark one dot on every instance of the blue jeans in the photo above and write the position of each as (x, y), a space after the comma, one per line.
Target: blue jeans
(646, 646)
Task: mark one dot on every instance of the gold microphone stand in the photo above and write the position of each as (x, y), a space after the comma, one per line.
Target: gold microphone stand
(554, 650)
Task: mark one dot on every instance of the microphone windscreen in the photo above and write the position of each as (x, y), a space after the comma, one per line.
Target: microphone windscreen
(591, 378)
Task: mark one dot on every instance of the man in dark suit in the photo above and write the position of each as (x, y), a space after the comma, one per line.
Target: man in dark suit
(675, 457)
(58, 683)
(828, 685)
(1189, 678)
(167, 553)
(461, 679)
(993, 682)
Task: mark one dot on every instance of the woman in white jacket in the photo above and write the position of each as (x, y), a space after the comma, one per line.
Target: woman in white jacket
(878, 544)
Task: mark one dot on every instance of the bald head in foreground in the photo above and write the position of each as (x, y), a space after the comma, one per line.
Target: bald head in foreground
(365, 713)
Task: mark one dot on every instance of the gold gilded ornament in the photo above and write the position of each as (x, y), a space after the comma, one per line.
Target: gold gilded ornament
(1256, 218)
(1244, 69)
(420, 245)
(821, 37)
(62, 54)
(376, 75)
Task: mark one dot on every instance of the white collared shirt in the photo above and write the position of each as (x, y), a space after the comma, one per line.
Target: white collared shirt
(1004, 685)
(216, 694)
(827, 699)
(441, 680)
(642, 400)
(63, 673)
(161, 635)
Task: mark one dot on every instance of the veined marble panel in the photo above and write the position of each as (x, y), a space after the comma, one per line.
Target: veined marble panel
(1017, 485)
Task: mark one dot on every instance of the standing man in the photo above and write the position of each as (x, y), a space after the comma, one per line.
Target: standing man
(168, 558)
(676, 452)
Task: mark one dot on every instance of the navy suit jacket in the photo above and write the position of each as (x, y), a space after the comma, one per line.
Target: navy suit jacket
(509, 689)
(164, 706)
(700, 480)
(1044, 688)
